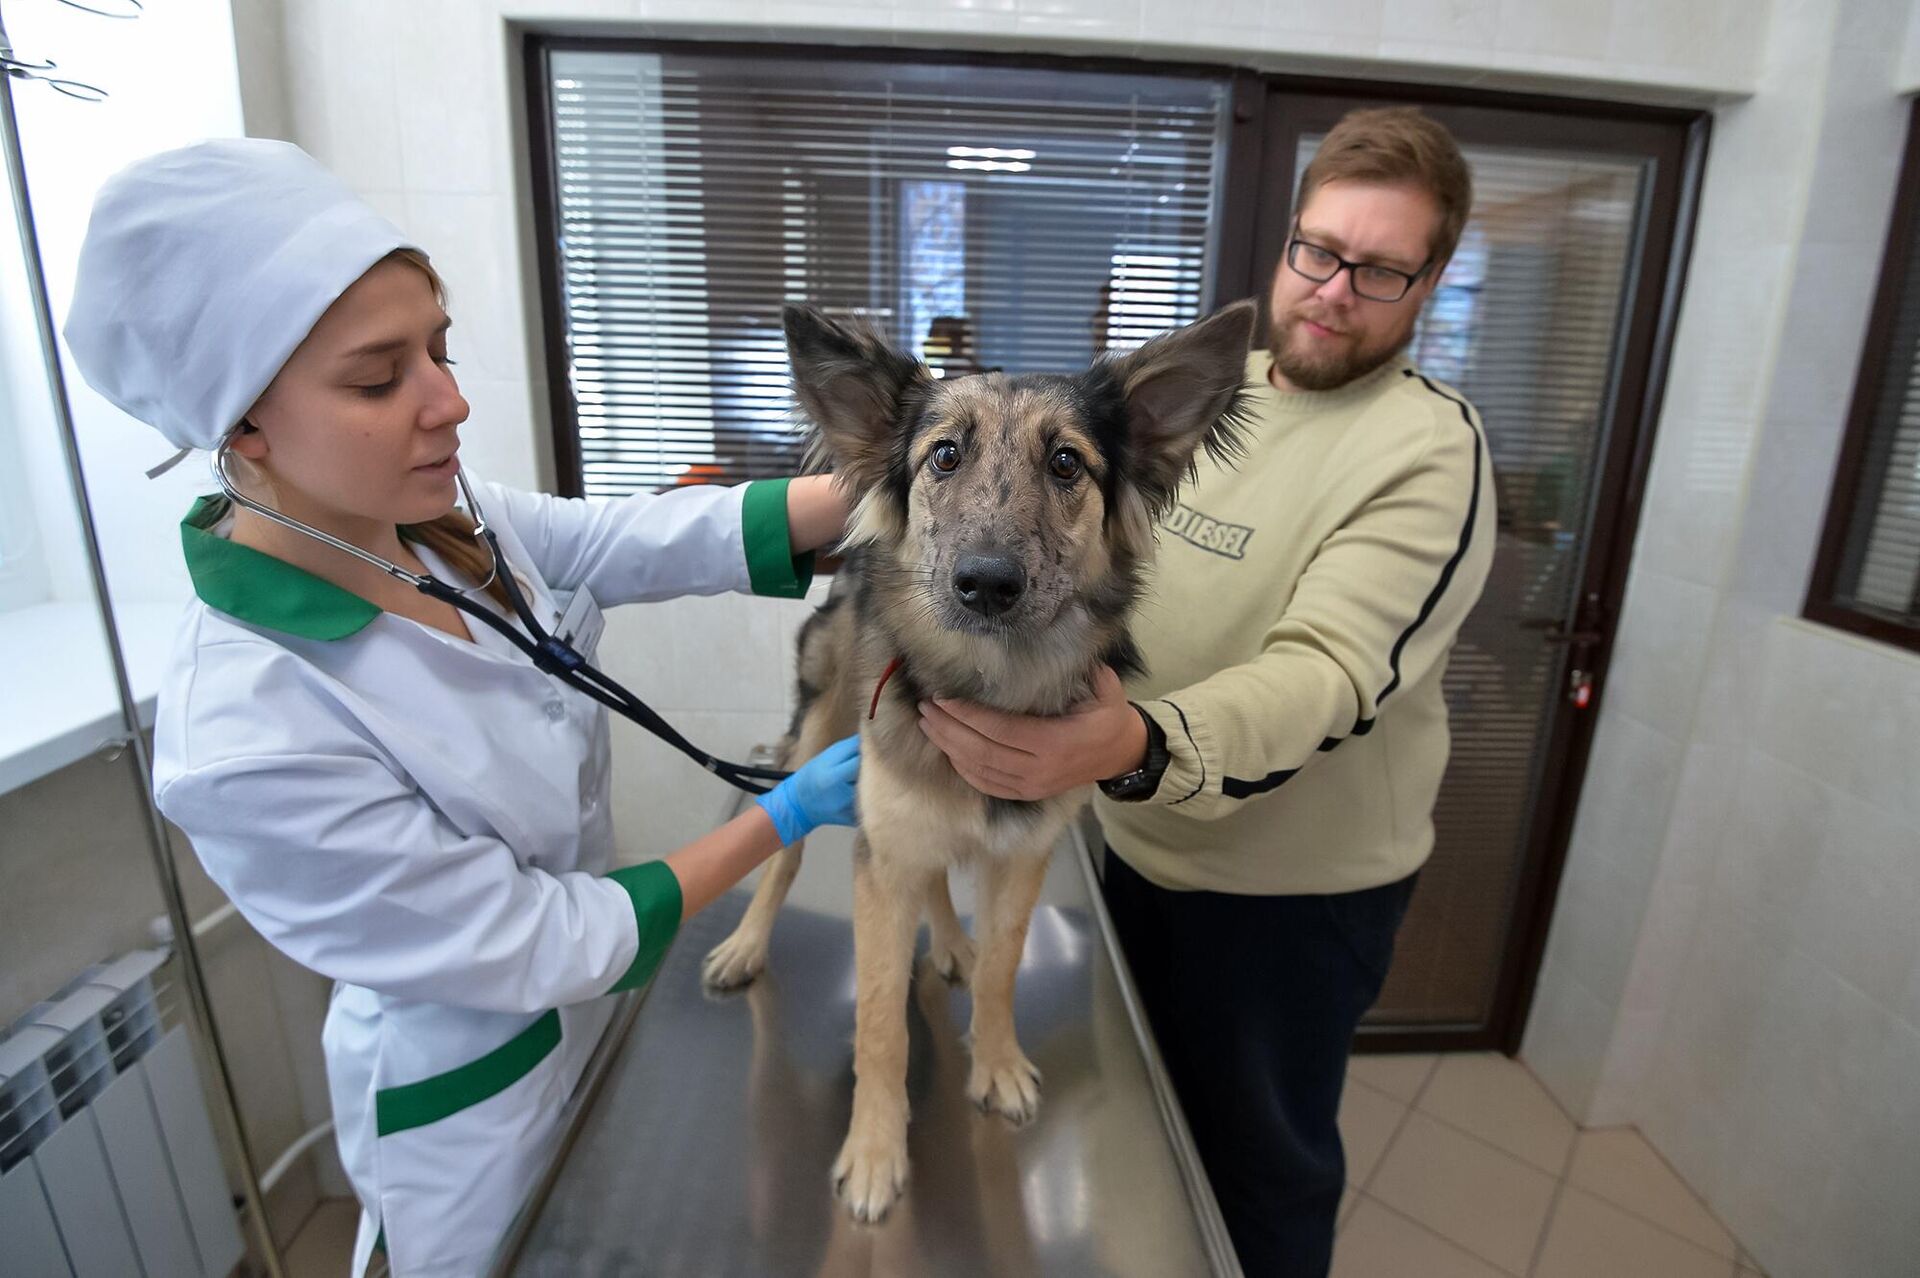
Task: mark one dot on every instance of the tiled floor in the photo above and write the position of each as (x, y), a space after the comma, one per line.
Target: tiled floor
(1462, 1166)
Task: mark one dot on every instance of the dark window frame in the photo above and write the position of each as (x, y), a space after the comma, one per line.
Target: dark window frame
(1850, 470)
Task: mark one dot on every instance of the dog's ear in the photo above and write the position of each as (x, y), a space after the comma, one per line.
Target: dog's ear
(849, 383)
(1183, 392)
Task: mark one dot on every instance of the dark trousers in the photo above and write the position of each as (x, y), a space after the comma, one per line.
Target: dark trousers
(1254, 1001)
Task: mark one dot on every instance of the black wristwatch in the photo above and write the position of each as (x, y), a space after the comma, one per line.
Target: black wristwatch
(1139, 784)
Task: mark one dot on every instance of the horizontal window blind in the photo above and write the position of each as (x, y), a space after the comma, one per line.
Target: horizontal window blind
(983, 218)
(1880, 571)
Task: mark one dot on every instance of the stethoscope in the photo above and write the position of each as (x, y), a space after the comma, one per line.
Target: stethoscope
(549, 652)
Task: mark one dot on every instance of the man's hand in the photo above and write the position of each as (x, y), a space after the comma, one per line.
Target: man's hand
(1011, 756)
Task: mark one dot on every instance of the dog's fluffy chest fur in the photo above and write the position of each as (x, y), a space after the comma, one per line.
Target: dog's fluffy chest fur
(909, 783)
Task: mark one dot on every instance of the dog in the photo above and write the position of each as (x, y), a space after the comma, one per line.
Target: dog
(1001, 535)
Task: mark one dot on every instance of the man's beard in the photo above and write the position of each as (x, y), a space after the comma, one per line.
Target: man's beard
(1334, 369)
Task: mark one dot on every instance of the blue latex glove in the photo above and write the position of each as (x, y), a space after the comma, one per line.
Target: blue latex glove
(820, 793)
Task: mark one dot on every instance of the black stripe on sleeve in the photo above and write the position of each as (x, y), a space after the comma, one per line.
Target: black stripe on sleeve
(1194, 746)
(1234, 787)
(1459, 553)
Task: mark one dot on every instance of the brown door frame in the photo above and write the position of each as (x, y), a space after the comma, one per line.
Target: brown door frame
(1261, 163)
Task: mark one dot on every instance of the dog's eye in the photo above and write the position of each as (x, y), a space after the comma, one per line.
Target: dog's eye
(945, 457)
(1066, 464)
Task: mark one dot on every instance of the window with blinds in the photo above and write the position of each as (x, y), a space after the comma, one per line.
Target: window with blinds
(1867, 577)
(983, 217)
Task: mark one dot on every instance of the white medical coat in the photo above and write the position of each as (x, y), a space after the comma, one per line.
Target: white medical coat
(425, 820)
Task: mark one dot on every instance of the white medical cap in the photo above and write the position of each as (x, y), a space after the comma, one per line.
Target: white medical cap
(202, 270)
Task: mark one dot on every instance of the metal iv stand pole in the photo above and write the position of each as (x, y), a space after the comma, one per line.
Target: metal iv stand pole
(200, 1004)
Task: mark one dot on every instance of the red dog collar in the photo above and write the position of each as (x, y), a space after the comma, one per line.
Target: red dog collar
(873, 707)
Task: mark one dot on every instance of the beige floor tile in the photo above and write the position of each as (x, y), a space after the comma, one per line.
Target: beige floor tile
(1620, 1166)
(1378, 1243)
(1399, 1075)
(324, 1246)
(1468, 1192)
(1591, 1238)
(1367, 1122)
(1498, 1100)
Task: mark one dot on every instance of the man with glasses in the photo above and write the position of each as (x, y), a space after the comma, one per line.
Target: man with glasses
(1269, 789)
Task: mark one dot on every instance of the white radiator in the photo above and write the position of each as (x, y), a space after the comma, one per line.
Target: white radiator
(108, 1165)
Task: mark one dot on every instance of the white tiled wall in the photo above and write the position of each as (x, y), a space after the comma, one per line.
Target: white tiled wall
(1773, 1054)
(1908, 80)
(1765, 1034)
(1751, 213)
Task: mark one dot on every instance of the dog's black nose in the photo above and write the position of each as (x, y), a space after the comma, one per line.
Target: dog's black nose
(988, 584)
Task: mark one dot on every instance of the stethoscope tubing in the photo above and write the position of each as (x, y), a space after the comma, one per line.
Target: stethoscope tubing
(550, 653)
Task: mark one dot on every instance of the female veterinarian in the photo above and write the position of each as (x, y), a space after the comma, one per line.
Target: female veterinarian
(394, 798)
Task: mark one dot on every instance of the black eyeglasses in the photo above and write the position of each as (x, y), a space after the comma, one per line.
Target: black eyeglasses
(1375, 283)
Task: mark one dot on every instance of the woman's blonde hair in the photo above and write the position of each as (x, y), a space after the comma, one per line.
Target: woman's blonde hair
(452, 535)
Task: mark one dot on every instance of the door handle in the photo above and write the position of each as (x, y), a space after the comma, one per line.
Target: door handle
(1582, 644)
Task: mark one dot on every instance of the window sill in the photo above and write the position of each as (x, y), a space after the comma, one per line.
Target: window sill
(60, 704)
(1862, 625)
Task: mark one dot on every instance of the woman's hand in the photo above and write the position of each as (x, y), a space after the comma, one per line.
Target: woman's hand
(1011, 756)
(820, 793)
(816, 513)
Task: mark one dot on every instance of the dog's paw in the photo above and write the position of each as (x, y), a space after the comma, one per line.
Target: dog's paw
(1006, 1083)
(734, 962)
(870, 1173)
(953, 959)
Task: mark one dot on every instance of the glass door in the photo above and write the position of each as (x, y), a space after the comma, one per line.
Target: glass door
(1547, 319)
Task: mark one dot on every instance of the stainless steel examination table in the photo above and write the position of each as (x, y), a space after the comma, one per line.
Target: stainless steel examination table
(702, 1139)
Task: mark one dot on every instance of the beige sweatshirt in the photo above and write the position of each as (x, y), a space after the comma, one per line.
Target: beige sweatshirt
(1301, 614)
